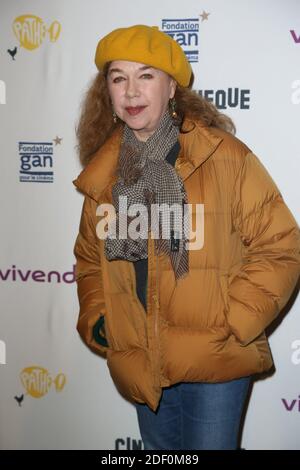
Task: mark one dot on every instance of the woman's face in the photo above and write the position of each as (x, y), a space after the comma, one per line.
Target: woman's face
(139, 95)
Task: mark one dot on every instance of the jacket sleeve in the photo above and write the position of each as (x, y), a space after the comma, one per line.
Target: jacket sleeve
(271, 245)
(89, 281)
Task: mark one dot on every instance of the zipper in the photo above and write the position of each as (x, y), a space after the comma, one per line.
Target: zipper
(137, 300)
(156, 326)
(156, 300)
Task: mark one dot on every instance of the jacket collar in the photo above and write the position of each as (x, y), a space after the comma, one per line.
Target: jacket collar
(196, 146)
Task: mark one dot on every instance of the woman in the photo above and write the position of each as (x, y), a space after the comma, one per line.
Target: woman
(181, 324)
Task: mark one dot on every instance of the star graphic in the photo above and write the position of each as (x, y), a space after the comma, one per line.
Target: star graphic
(57, 140)
(204, 15)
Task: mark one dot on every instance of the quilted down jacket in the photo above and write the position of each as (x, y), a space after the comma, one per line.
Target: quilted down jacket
(209, 326)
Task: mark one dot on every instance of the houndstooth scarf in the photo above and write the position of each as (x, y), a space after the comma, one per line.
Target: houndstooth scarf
(145, 177)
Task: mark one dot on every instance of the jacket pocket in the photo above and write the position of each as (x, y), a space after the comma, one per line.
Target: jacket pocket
(98, 332)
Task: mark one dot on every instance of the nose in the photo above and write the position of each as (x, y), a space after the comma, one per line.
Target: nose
(132, 88)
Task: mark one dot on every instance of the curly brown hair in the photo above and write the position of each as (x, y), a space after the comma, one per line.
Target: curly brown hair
(96, 123)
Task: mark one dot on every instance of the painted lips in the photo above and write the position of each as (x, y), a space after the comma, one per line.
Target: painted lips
(133, 111)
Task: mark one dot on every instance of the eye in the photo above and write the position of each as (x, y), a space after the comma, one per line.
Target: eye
(117, 79)
(147, 75)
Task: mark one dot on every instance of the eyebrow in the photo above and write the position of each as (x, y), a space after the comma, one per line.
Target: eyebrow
(145, 67)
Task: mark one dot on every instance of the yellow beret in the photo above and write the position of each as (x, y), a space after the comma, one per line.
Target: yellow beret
(147, 45)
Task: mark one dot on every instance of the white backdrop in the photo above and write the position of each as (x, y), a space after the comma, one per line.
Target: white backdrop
(54, 393)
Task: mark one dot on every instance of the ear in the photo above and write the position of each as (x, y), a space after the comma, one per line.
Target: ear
(172, 88)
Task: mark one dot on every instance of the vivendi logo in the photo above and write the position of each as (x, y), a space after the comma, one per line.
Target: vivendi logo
(291, 405)
(15, 274)
(295, 36)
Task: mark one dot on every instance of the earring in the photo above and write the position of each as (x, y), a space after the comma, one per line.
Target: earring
(115, 118)
(173, 108)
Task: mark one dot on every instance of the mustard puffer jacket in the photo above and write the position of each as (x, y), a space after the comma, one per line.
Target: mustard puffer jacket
(209, 326)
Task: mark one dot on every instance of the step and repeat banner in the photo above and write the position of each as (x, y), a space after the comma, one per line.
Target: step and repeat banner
(54, 392)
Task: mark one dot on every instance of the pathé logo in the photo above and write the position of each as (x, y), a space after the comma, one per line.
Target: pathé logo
(30, 30)
(37, 381)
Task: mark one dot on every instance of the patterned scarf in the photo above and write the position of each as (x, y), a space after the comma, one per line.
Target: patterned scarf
(145, 177)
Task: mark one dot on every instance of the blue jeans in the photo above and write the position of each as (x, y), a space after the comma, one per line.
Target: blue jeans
(195, 416)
